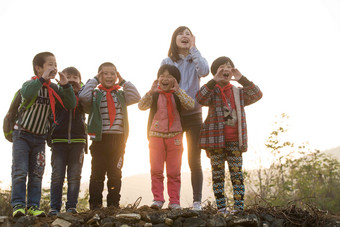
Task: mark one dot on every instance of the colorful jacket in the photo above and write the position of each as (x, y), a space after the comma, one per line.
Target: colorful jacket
(212, 130)
(90, 99)
(181, 100)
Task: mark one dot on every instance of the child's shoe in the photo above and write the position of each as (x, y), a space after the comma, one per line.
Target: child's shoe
(197, 206)
(157, 205)
(35, 211)
(223, 211)
(18, 211)
(72, 211)
(174, 206)
(52, 212)
(227, 212)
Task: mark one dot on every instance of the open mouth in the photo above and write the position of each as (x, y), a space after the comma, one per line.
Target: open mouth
(185, 41)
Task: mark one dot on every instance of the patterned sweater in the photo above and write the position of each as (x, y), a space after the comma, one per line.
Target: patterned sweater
(212, 130)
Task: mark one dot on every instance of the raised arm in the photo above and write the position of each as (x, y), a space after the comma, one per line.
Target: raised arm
(131, 93)
(251, 92)
(85, 94)
(201, 64)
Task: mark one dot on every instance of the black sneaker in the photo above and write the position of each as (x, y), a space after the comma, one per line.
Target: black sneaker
(72, 211)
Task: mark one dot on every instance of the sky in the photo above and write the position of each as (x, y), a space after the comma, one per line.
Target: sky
(289, 48)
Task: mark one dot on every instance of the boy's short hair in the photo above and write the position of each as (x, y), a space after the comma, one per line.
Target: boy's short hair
(218, 62)
(73, 71)
(106, 64)
(173, 71)
(40, 59)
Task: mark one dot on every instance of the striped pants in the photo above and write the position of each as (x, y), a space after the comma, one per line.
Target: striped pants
(234, 159)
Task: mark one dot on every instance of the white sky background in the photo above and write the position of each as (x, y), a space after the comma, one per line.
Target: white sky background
(290, 49)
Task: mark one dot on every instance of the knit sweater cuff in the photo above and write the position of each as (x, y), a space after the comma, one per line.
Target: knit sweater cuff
(122, 83)
(211, 84)
(244, 81)
(66, 85)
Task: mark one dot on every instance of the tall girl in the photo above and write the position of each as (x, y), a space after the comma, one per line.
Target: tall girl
(185, 56)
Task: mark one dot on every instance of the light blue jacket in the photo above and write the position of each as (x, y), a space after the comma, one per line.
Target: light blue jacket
(192, 68)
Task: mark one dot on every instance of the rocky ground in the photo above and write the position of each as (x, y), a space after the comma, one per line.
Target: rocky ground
(146, 216)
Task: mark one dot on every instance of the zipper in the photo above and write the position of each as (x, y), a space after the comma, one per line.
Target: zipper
(69, 126)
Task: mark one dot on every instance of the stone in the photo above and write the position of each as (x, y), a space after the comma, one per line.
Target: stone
(179, 222)
(244, 220)
(94, 219)
(128, 217)
(4, 221)
(75, 220)
(216, 221)
(61, 222)
(107, 222)
(194, 222)
(169, 221)
(155, 218)
(160, 225)
(25, 221)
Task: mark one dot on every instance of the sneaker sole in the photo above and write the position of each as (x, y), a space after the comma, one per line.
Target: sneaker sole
(18, 214)
(38, 215)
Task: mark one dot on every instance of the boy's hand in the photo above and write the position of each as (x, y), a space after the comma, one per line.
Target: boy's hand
(50, 73)
(175, 86)
(237, 75)
(120, 78)
(63, 79)
(192, 42)
(222, 76)
(154, 87)
(98, 76)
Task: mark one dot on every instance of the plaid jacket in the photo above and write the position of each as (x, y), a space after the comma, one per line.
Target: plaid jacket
(212, 130)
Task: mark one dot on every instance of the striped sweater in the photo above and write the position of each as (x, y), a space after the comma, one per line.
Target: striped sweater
(35, 118)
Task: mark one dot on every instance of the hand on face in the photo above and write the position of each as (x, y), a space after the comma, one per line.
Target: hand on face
(192, 41)
(237, 75)
(175, 85)
(63, 79)
(223, 76)
(120, 78)
(49, 73)
(154, 87)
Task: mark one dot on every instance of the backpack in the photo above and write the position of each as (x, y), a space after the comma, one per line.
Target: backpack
(15, 110)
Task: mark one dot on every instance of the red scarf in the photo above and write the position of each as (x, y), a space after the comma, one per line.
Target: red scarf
(110, 103)
(223, 90)
(168, 105)
(52, 94)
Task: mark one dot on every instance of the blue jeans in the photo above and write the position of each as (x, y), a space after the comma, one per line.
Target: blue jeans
(28, 159)
(70, 156)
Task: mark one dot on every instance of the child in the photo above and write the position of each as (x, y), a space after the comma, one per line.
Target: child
(29, 132)
(165, 133)
(224, 133)
(185, 56)
(108, 128)
(68, 143)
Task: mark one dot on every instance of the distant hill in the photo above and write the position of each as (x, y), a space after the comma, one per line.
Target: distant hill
(139, 185)
(335, 152)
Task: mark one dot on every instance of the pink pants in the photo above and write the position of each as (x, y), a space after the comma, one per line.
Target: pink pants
(169, 151)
